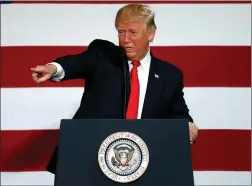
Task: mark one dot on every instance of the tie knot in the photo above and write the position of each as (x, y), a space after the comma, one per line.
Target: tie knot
(135, 63)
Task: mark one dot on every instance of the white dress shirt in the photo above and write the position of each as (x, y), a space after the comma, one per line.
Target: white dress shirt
(143, 74)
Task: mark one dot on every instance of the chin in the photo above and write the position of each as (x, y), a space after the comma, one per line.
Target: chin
(130, 55)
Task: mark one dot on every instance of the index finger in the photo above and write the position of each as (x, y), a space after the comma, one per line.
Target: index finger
(37, 69)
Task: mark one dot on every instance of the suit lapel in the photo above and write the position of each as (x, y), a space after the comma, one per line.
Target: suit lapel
(153, 90)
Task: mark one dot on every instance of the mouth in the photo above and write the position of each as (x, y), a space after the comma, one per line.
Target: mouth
(128, 49)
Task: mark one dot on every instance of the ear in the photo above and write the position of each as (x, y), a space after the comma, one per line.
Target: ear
(151, 34)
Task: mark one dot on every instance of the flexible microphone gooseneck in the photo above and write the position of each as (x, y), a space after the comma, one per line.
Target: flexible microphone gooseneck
(123, 57)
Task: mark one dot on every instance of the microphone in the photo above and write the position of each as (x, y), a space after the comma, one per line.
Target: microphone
(122, 49)
(123, 57)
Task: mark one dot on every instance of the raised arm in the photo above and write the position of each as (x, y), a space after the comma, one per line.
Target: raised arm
(79, 66)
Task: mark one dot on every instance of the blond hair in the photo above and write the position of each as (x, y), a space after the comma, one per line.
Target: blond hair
(136, 12)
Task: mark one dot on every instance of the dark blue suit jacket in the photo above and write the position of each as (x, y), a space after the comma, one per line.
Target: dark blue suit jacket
(104, 67)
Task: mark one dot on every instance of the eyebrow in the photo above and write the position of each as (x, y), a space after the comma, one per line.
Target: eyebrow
(131, 29)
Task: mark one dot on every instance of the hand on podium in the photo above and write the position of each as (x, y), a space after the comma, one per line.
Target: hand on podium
(193, 132)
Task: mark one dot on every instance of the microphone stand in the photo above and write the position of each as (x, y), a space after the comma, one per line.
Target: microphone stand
(123, 57)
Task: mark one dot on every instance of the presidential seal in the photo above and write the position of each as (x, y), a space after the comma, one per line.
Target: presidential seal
(123, 157)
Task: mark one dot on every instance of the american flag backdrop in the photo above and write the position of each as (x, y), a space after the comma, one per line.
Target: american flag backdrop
(209, 41)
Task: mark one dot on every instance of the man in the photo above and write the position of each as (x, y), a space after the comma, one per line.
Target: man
(152, 90)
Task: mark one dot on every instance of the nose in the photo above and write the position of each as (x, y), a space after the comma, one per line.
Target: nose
(126, 38)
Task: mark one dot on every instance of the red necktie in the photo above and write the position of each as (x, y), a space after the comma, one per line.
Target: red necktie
(134, 94)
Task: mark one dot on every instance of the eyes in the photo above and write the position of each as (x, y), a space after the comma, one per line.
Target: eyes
(130, 33)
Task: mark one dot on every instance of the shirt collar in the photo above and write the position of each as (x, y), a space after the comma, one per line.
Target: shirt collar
(145, 61)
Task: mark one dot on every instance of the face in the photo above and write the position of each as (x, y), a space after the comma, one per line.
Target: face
(135, 38)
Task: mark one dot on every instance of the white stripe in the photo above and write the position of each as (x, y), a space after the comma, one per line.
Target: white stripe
(200, 177)
(43, 108)
(79, 24)
(222, 178)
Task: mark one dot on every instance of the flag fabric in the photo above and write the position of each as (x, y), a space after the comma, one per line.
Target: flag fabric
(209, 41)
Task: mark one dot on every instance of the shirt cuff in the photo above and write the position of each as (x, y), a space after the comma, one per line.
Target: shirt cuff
(60, 73)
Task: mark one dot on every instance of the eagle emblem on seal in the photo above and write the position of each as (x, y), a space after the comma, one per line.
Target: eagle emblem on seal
(123, 156)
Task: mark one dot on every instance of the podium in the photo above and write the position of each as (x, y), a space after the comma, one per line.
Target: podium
(115, 152)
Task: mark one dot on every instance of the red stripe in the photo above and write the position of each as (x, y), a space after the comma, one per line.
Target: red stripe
(127, 2)
(228, 150)
(27, 150)
(203, 66)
